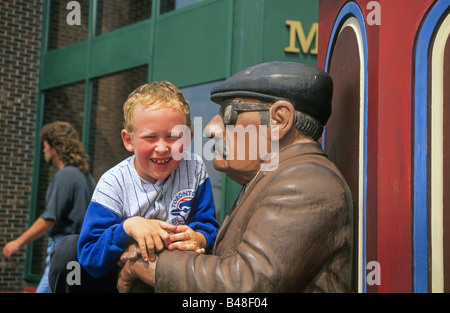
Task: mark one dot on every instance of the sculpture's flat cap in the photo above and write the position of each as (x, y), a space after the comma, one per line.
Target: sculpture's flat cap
(308, 88)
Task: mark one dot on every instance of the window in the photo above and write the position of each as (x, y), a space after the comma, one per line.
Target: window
(170, 5)
(115, 14)
(60, 33)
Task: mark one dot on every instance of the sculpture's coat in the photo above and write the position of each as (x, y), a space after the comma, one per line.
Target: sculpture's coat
(290, 231)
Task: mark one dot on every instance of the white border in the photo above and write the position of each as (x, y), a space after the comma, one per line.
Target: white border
(437, 156)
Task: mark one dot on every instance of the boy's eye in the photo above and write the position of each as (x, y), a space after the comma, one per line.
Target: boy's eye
(150, 138)
(168, 138)
(174, 138)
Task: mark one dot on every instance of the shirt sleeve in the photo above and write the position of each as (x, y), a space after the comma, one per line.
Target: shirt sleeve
(202, 218)
(102, 240)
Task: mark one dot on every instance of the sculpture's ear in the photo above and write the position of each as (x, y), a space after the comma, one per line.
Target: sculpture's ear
(283, 115)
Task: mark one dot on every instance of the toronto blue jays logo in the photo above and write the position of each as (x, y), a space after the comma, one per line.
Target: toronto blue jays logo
(180, 206)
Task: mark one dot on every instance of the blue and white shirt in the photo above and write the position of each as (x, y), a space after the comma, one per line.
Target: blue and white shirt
(183, 198)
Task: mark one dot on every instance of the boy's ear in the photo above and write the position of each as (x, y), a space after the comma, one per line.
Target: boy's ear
(127, 140)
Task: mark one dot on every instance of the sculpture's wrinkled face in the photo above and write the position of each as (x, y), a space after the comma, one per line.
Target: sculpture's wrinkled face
(242, 143)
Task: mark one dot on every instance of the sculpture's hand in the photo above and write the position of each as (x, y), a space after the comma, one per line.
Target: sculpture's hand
(126, 279)
(133, 270)
(132, 252)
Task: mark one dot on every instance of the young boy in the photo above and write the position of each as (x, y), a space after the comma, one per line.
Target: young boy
(151, 186)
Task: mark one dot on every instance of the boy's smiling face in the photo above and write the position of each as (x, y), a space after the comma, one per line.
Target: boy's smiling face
(152, 141)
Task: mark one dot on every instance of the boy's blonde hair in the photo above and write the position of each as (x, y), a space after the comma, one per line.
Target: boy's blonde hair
(158, 95)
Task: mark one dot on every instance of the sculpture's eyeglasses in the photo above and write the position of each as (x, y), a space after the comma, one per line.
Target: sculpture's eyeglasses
(230, 110)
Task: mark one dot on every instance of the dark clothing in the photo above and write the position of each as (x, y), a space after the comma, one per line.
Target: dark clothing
(67, 199)
(58, 277)
(63, 274)
(289, 231)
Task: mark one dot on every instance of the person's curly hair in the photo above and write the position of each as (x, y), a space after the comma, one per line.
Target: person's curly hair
(65, 140)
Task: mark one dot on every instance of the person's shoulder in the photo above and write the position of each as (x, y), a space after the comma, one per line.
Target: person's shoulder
(117, 177)
(118, 168)
(189, 161)
(308, 172)
(68, 171)
(194, 163)
(112, 183)
(67, 177)
(190, 156)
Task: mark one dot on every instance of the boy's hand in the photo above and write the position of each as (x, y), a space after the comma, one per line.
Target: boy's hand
(184, 238)
(148, 234)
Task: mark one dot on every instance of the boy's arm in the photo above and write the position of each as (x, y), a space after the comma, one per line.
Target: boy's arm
(102, 240)
(201, 242)
(202, 217)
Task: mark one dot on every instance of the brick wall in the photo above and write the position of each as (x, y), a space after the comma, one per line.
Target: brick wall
(20, 38)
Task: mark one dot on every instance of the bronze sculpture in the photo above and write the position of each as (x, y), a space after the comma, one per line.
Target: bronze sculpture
(290, 228)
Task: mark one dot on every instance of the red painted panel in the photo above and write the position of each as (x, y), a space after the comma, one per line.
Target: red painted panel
(389, 144)
(398, 30)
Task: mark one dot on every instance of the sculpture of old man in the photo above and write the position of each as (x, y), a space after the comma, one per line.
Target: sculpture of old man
(290, 227)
